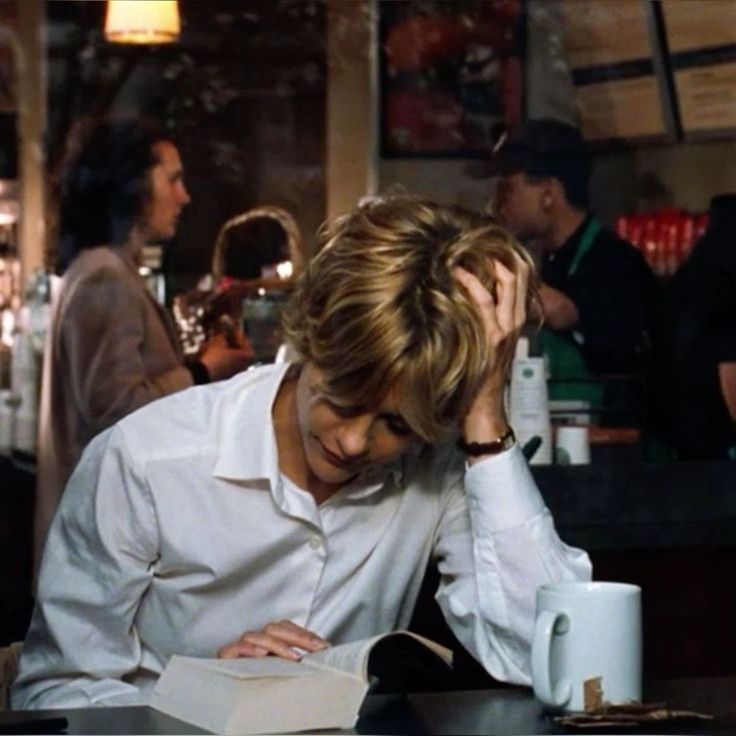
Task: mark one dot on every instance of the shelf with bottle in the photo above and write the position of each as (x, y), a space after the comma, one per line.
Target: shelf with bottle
(25, 321)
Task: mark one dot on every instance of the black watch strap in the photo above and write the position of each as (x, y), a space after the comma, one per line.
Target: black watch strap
(475, 449)
(199, 371)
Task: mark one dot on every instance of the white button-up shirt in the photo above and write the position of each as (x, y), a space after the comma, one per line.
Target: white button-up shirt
(177, 533)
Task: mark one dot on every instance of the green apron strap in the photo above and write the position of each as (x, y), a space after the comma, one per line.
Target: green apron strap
(565, 359)
(586, 243)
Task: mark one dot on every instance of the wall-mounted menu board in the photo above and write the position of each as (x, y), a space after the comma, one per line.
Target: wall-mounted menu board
(701, 38)
(609, 51)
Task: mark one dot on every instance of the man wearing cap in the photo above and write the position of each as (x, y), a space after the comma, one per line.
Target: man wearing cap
(598, 293)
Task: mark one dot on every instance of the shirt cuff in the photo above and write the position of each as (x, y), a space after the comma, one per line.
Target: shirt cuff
(502, 489)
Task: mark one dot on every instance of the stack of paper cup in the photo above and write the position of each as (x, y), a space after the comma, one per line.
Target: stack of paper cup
(572, 446)
(528, 403)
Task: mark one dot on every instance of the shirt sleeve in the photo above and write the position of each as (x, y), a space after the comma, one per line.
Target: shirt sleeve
(96, 567)
(103, 336)
(496, 545)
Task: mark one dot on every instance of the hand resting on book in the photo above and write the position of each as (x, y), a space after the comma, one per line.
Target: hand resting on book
(276, 638)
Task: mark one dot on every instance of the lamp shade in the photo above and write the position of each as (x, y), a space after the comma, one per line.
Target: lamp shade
(142, 21)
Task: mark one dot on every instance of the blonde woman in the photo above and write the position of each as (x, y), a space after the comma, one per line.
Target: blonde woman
(298, 505)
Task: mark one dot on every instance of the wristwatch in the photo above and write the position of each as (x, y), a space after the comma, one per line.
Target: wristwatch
(475, 449)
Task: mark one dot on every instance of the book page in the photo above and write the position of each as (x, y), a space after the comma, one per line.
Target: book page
(406, 663)
(355, 656)
(351, 658)
(443, 653)
(251, 667)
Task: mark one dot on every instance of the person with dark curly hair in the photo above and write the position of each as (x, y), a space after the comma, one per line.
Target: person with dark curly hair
(111, 347)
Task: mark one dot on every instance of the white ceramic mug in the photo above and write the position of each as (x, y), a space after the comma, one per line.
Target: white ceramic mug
(587, 645)
(572, 445)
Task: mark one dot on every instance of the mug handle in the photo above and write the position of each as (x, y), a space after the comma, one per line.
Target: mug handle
(554, 695)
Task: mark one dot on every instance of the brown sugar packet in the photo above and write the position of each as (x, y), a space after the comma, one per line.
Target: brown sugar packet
(592, 694)
(629, 714)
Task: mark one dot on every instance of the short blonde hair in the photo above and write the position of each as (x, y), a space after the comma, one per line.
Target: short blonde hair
(378, 306)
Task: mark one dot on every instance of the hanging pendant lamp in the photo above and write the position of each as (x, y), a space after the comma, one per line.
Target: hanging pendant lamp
(142, 21)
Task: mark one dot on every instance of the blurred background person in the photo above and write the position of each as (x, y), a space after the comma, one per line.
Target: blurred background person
(111, 347)
(598, 294)
(696, 349)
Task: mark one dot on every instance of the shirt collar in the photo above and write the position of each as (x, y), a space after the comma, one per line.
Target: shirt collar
(246, 439)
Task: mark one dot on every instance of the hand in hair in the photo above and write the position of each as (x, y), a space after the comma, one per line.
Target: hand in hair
(503, 318)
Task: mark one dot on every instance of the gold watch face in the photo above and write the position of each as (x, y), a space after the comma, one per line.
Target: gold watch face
(508, 441)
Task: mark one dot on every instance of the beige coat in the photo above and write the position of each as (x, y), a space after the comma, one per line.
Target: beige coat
(111, 348)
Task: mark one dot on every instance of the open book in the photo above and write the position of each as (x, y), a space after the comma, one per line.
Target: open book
(272, 695)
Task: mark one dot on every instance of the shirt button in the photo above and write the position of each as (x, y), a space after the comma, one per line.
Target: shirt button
(315, 542)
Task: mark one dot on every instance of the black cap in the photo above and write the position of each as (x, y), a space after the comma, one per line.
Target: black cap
(543, 147)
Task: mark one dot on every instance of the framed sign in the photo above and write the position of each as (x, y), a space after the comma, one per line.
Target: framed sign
(451, 75)
(701, 39)
(609, 50)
